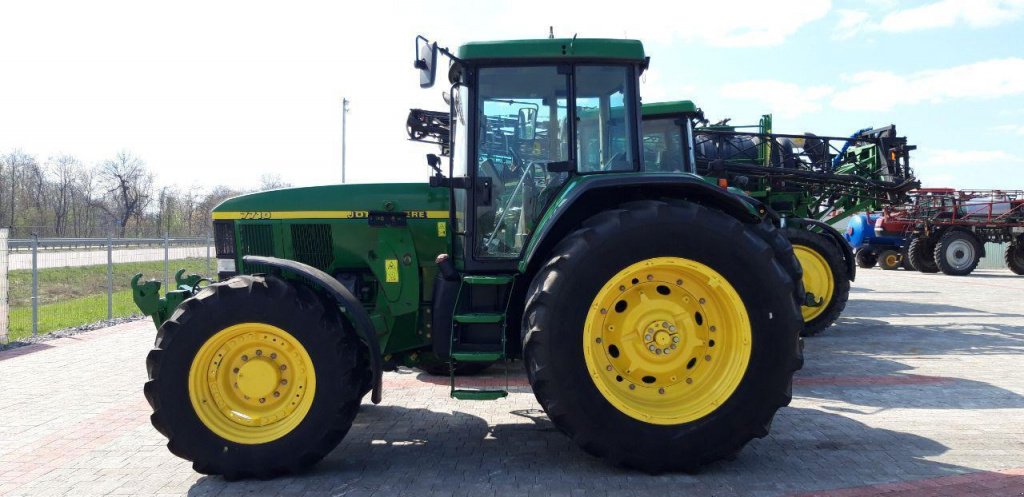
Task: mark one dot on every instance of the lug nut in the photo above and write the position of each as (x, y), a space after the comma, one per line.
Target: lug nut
(689, 380)
(657, 351)
(661, 391)
(632, 387)
(672, 328)
(245, 358)
(259, 352)
(679, 282)
(673, 346)
(277, 394)
(712, 328)
(235, 370)
(701, 301)
(675, 339)
(284, 367)
(650, 347)
(622, 288)
(604, 311)
(667, 350)
(665, 324)
(707, 358)
(608, 367)
(598, 340)
(284, 382)
(262, 400)
(650, 278)
(647, 337)
(273, 355)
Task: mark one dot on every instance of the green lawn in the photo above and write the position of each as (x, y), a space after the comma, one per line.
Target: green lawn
(75, 296)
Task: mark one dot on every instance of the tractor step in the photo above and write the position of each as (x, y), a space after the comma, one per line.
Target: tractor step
(477, 356)
(477, 279)
(479, 318)
(479, 394)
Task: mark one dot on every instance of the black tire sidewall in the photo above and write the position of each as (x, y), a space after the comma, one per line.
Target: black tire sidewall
(270, 304)
(706, 240)
(939, 253)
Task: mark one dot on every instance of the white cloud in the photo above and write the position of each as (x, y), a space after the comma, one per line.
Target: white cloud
(883, 90)
(850, 23)
(952, 157)
(946, 13)
(782, 98)
(940, 14)
(1017, 129)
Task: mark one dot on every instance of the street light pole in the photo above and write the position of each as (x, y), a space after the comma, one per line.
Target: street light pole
(344, 112)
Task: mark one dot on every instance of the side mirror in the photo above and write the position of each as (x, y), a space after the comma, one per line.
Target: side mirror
(527, 126)
(426, 61)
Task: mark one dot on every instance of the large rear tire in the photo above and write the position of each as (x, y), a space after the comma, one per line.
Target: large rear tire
(654, 276)
(922, 255)
(824, 276)
(957, 253)
(1014, 256)
(254, 377)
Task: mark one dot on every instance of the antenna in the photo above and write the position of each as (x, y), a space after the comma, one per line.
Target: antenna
(551, 32)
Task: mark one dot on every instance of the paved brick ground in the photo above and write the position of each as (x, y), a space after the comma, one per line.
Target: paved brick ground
(919, 390)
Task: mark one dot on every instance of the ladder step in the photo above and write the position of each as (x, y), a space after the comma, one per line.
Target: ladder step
(477, 356)
(479, 394)
(476, 279)
(479, 317)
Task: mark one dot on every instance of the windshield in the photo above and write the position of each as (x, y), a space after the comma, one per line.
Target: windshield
(521, 122)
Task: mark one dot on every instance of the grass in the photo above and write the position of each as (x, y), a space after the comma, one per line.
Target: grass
(74, 296)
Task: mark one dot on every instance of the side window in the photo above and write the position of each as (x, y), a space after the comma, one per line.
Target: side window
(603, 119)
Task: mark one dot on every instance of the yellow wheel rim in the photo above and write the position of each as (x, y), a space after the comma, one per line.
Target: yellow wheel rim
(667, 340)
(817, 280)
(892, 260)
(252, 383)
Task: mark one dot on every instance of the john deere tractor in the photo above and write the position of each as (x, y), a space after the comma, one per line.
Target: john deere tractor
(657, 315)
(809, 181)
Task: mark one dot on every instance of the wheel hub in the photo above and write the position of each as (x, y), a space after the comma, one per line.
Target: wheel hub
(667, 340)
(960, 254)
(817, 280)
(251, 383)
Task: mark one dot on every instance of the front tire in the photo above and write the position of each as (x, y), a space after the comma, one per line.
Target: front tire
(824, 276)
(680, 278)
(866, 258)
(254, 377)
(889, 260)
(1014, 256)
(921, 254)
(957, 253)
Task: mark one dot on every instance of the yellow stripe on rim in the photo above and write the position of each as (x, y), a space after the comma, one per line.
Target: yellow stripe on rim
(667, 340)
(251, 383)
(817, 279)
(259, 215)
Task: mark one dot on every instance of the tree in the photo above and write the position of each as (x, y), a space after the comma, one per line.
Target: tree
(15, 165)
(128, 185)
(62, 172)
(272, 181)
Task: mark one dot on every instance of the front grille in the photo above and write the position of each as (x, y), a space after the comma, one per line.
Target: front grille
(256, 239)
(224, 239)
(311, 244)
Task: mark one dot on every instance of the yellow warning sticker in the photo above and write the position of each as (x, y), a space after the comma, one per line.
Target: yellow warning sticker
(442, 229)
(391, 270)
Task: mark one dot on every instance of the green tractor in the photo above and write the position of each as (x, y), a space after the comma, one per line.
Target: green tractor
(810, 182)
(657, 315)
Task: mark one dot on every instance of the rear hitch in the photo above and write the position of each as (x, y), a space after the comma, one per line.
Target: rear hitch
(147, 295)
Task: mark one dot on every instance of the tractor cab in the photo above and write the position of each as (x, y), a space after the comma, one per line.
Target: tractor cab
(668, 136)
(526, 116)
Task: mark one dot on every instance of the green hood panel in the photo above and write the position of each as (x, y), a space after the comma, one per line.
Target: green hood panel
(334, 201)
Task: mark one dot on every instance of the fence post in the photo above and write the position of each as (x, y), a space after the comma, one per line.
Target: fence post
(3, 286)
(35, 284)
(110, 275)
(167, 259)
(209, 268)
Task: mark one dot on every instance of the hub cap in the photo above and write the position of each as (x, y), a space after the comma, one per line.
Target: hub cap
(817, 279)
(667, 340)
(252, 383)
(960, 254)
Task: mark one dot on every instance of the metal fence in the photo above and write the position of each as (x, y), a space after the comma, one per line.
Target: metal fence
(49, 284)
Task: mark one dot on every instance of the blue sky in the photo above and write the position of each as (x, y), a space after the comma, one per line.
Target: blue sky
(223, 92)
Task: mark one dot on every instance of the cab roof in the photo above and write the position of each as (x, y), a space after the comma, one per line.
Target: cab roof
(660, 109)
(555, 48)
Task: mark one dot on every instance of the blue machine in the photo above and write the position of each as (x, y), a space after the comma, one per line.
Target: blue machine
(872, 248)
